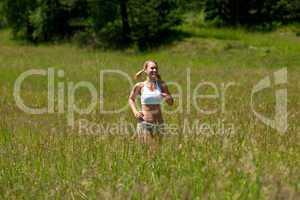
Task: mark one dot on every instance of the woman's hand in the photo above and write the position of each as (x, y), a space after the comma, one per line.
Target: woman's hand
(139, 114)
(168, 98)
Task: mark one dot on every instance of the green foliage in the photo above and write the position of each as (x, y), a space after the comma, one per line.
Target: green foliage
(2, 15)
(102, 12)
(142, 22)
(112, 23)
(111, 35)
(105, 26)
(151, 20)
(252, 12)
(39, 20)
(282, 10)
(49, 20)
(191, 5)
(234, 12)
(17, 14)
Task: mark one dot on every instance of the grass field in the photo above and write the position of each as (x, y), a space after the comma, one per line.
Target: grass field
(41, 157)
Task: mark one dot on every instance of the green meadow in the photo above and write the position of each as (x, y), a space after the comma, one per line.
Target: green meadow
(42, 157)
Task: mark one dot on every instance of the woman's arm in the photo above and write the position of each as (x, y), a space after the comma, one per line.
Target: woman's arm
(136, 90)
(166, 94)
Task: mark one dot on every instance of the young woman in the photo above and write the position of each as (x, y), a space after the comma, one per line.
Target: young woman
(152, 91)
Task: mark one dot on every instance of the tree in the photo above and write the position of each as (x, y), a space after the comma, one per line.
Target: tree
(2, 15)
(17, 14)
(125, 21)
(252, 12)
(143, 22)
(113, 22)
(150, 20)
(50, 20)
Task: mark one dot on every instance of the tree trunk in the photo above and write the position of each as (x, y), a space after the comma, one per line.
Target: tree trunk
(125, 23)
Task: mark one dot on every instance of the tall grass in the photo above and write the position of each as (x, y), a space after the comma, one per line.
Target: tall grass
(43, 158)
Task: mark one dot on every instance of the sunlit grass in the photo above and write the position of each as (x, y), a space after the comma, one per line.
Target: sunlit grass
(43, 158)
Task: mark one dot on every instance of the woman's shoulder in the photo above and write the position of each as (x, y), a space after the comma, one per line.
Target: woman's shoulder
(139, 85)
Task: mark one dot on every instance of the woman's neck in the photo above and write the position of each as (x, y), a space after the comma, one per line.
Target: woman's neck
(150, 80)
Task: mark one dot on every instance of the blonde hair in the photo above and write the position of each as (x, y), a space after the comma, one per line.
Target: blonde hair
(143, 71)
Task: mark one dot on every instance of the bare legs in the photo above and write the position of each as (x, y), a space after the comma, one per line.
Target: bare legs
(151, 137)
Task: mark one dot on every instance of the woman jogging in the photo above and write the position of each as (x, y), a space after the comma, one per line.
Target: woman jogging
(152, 92)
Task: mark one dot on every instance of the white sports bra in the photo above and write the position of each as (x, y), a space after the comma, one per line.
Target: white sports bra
(151, 97)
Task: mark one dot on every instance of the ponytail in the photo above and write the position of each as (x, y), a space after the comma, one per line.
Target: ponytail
(139, 74)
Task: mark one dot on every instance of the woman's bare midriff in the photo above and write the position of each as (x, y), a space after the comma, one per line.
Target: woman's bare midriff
(152, 113)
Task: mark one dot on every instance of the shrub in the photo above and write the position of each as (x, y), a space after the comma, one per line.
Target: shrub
(17, 14)
(3, 21)
(150, 20)
(253, 12)
(114, 23)
(49, 20)
(37, 20)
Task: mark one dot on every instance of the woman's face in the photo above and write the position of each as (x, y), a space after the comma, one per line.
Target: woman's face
(152, 71)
